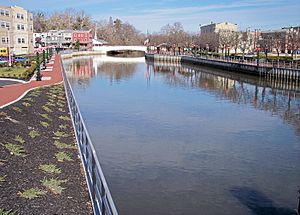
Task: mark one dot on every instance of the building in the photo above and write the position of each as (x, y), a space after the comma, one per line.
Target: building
(218, 27)
(16, 30)
(219, 37)
(280, 41)
(84, 38)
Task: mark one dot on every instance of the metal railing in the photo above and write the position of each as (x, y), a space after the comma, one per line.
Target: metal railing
(248, 61)
(101, 198)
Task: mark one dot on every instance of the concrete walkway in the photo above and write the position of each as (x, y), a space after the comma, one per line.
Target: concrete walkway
(51, 75)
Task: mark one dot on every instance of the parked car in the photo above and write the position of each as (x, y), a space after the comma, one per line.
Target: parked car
(20, 59)
(3, 61)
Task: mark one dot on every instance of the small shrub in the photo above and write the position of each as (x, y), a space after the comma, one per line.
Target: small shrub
(45, 116)
(5, 212)
(50, 168)
(61, 134)
(32, 193)
(63, 156)
(63, 126)
(2, 178)
(66, 118)
(26, 104)
(3, 115)
(54, 185)
(61, 110)
(17, 109)
(15, 149)
(19, 139)
(45, 124)
(47, 109)
(34, 134)
(62, 145)
(28, 99)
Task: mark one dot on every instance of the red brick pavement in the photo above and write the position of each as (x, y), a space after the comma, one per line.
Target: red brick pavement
(12, 93)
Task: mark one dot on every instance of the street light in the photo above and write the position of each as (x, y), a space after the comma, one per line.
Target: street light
(8, 47)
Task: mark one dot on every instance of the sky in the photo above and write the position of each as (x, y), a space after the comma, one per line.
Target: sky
(153, 14)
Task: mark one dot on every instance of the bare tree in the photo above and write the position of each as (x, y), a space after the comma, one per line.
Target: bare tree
(225, 40)
(293, 40)
(39, 21)
(118, 33)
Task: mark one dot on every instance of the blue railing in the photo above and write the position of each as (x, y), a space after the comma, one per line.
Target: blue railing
(101, 198)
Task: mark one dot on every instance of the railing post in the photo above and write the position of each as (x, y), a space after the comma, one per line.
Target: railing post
(298, 202)
(103, 211)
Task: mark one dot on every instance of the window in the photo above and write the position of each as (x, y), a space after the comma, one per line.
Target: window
(19, 40)
(3, 24)
(22, 16)
(31, 40)
(31, 28)
(23, 40)
(6, 13)
(18, 26)
(3, 40)
(7, 25)
(22, 27)
(18, 15)
(2, 12)
(30, 18)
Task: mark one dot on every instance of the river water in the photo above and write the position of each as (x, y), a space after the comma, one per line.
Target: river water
(174, 139)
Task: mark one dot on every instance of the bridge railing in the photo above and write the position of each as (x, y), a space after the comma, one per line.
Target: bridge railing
(101, 198)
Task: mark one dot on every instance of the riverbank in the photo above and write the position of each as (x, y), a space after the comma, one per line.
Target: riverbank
(41, 171)
(290, 74)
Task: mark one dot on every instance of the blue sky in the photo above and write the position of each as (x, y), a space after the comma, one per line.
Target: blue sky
(152, 15)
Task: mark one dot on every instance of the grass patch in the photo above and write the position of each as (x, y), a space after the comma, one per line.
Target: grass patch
(47, 109)
(19, 139)
(5, 212)
(32, 193)
(46, 116)
(65, 118)
(54, 185)
(26, 104)
(62, 145)
(17, 109)
(15, 149)
(61, 134)
(45, 124)
(34, 134)
(50, 168)
(2, 178)
(63, 156)
(10, 72)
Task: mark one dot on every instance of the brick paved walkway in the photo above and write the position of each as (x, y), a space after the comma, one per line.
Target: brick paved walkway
(52, 75)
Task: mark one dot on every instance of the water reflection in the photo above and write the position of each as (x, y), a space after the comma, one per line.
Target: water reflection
(277, 97)
(85, 68)
(179, 140)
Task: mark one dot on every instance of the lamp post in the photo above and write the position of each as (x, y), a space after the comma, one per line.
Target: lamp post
(38, 69)
(257, 52)
(8, 47)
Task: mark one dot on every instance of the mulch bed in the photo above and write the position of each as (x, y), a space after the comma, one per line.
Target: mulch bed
(39, 119)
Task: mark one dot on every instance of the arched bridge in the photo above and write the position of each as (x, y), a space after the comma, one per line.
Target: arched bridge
(107, 49)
